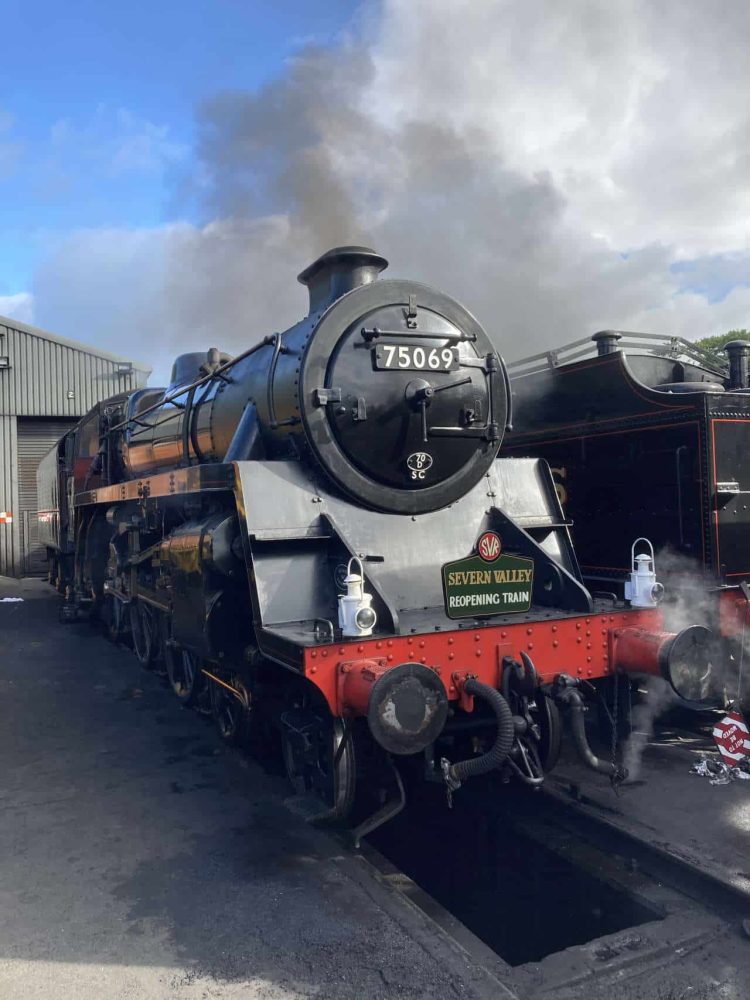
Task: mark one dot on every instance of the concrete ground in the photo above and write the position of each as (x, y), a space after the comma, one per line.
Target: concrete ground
(704, 824)
(139, 858)
(142, 860)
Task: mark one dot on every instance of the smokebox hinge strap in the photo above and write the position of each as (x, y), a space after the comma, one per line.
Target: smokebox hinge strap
(321, 397)
(411, 313)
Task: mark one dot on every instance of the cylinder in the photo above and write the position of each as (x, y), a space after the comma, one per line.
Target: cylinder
(738, 352)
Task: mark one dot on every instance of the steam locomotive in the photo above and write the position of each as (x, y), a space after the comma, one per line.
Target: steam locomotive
(649, 433)
(319, 531)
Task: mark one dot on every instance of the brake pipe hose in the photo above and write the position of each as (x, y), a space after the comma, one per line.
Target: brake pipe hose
(455, 774)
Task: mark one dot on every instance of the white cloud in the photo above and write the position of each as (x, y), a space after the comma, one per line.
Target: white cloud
(19, 306)
(141, 146)
(637, 110)
(547, 163)
(150, 294)
(116, 141)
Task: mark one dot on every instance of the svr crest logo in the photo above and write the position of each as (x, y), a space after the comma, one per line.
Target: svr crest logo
(489, 546)
(419, 463)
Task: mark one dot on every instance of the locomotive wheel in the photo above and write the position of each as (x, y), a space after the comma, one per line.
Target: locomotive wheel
(143, 630)
(183, 670)
(231, 715)
(113, 617)
(319, 759)
(184, 673)
(158, 655)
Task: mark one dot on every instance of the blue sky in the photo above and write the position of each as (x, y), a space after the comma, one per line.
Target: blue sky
(166, 169)
(97, 104)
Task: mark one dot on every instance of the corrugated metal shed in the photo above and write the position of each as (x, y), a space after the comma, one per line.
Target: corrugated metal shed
(53, 381)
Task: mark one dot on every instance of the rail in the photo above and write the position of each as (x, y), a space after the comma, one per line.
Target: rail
(657, 344)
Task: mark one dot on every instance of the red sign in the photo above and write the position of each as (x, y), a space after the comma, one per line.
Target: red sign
(732, 737)
(489, 546)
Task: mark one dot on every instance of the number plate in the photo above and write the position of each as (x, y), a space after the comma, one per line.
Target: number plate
(409, 357)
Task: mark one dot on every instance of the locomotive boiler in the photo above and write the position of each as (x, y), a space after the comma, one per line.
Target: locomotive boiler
(317, 536)
(401, 408)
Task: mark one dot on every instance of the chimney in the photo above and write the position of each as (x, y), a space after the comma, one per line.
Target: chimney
(339, 271)
(739, 364)
(606, 342)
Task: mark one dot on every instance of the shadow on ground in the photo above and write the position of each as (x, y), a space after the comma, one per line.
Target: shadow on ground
(141, 858)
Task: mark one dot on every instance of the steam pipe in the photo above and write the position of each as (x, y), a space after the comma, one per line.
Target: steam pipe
(193, 385)
(572, 699)
(246, 438)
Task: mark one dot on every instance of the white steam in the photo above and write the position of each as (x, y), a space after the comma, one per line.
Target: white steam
(689, 600)
(657, 699)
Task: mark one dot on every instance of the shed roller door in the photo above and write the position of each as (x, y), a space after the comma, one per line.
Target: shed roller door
(35, 438)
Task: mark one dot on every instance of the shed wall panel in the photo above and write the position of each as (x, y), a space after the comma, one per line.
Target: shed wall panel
(35, 437)
(8, 494)
(47, 377)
